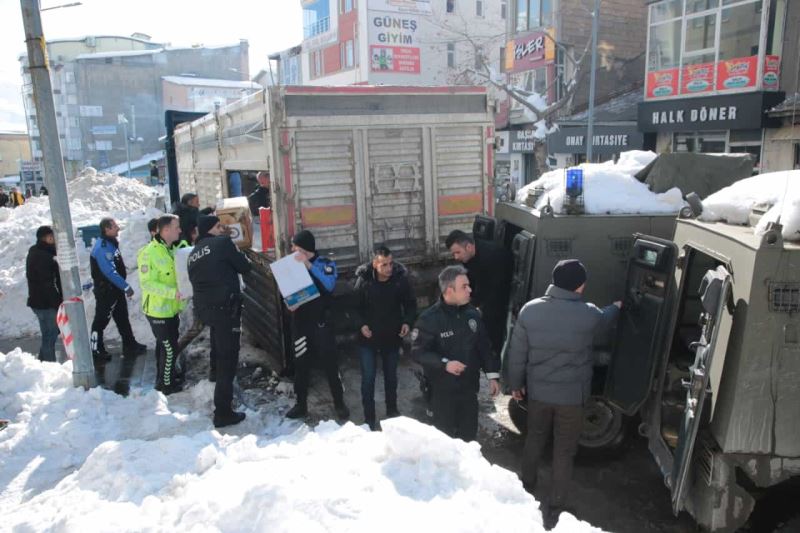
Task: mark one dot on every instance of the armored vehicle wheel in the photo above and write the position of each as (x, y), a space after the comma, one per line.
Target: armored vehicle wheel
(603, 425)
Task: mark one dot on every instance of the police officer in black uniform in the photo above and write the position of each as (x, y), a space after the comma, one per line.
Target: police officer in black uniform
(450, 341)
(214, 268)
(312, 335)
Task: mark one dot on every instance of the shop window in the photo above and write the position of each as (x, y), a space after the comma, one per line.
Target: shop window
(700, 33)
(665, 45)
(739, 31)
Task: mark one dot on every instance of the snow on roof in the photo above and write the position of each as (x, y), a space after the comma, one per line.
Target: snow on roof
(120, 53)
(780, 190)
(210, 82)
(790, 105)
(139, 163)
(608, 188)
(622, 108)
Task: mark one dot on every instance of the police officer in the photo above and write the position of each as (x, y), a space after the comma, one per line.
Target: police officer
(161, 301)
(451, 343)
(110, 291)
(312, 335)
(214, 268)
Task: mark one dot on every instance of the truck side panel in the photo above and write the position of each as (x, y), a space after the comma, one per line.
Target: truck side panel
(207, 168)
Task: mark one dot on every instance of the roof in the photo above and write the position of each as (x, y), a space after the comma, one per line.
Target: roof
(120, 53)
(209, 82)
(139, 163)
(293, 51)
(14, 132)
(622, 108)
(788, 106)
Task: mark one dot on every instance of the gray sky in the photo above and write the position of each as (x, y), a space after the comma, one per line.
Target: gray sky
(268, 25)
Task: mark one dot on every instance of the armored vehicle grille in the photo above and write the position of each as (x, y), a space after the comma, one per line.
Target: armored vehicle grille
(784, 297)
(559, 247)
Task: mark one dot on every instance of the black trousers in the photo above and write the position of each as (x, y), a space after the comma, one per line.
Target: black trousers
(564, 423)
(312, 341)
(455, 413)
(165, 330)
(226, 331)
(111, 304)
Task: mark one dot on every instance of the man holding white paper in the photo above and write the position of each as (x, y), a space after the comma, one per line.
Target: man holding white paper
(312, 335)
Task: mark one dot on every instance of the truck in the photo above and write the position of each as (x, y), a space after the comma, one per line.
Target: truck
(357, 165)
(706, 355)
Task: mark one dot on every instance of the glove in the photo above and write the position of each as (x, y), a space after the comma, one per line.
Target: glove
(129, 292)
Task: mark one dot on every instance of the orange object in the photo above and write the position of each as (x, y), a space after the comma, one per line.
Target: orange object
(267, 231)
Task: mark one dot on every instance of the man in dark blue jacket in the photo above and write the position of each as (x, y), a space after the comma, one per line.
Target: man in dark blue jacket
(110, 292)
(312, 335)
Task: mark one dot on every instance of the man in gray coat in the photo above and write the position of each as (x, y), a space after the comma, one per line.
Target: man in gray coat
(550, 355)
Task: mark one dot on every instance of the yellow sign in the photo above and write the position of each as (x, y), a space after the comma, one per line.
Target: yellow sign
(550, 45)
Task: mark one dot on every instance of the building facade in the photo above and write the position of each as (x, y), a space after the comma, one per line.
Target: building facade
(109, 93)
(546, 53)
(186, 93)
(15, 149)
(714, 70)
(401, 42)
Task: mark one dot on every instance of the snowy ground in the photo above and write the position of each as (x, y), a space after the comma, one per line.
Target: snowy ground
(74, 460)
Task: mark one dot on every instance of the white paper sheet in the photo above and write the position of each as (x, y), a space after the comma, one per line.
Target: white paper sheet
(291, 275)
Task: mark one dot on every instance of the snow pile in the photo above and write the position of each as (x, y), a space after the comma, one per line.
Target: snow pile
(92, 197)
(781, 190)
(608, 188)
(77, 461)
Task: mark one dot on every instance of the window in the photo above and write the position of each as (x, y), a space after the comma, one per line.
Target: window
(665, 45)
(479, 8)
(739, 31)
(478, 58)
(316, 18)
(345, 6)
(451, 6)
(315, 63)
(504, 9)
(451, 55)
(347, 54)
(102, 146)
(502, 59)
(533, 14)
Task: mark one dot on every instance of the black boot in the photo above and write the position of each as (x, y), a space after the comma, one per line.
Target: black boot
(133, 349)
(166, 390)
(342, 411)
(300, 410)
(228, 419)
(101, 355)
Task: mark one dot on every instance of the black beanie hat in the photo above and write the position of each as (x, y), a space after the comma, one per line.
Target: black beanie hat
(205, 223)
(305, 240)
(569, 274)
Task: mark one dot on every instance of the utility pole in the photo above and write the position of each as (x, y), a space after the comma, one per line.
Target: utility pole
(590, 125)
(39, 68)
(124, 121)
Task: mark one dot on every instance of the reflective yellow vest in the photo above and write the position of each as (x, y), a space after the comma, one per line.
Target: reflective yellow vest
(158, 280)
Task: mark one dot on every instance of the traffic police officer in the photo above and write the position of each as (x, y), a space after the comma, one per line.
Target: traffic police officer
(110, 289)
(312, 336)
(451, 343)
(214, 268)
(161, 301)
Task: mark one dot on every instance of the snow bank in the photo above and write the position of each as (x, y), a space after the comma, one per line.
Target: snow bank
(92, 196)
(86, 461)
(608, 188)
(781, 190)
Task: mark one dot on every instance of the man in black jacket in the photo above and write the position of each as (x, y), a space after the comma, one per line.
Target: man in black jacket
(489, 269)
(260, 197)
(450, 342)
(44, 289)
(385, 310)
(187, 210)
(214, 268)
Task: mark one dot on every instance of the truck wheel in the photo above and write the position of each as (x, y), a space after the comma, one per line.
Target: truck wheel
(603, 425)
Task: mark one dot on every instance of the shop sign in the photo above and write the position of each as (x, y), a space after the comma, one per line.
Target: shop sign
(739, 73)
(607, 140)
(523, 141)
(697, 78)
(772, 70)
(529, 52)
(724, 112)
(662, 83)
(392, 44)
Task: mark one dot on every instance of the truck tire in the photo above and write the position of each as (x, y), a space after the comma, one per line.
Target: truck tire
(604, 427)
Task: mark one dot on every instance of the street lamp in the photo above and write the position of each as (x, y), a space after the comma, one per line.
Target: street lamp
(73, 4)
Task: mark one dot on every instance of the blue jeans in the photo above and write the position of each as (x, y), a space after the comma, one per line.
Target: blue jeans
(49, 329)
(390, 356)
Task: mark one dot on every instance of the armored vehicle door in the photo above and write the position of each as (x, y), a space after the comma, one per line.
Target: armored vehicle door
(644, 322)
(715, 293)
(523, 248)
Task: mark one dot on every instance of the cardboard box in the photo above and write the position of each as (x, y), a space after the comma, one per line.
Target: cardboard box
(235, 214)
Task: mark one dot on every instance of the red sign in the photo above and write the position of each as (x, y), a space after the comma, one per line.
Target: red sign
(737, 73)
(772, 69)
(394, 59)
(662, 83)
(697, 78)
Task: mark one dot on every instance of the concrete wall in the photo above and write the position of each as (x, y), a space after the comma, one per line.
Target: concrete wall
(13, 147)
(778, 154)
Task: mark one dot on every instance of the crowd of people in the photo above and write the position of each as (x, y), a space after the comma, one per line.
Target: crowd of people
(15, 197)
(548, 355)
